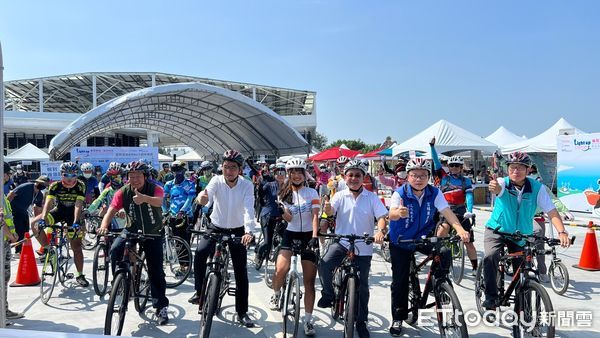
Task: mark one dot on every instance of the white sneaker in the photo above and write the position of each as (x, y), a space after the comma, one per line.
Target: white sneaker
(309, 329)
(544, 278)
(274, 302)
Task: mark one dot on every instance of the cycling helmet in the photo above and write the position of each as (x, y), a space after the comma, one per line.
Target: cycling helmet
(456, 159)
(342, 159)
(280, 166)
(153, 172)
(234, 156)
(355, 164)
(206, 165)
(365, 163)
(177, 166)
(87, 167)
(114, 168)
(322, 166)
(519, 158)
(295, 163)
(138, 166)
(272, 166)
(419, 163)
(69, 168)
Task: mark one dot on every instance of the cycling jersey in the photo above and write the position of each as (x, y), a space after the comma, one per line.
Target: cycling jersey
(304, 201)
(104, 199)
(181, 196)
(66, 197)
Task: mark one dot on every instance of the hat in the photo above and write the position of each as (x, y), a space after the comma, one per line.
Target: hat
(19, 166)
(43, 179)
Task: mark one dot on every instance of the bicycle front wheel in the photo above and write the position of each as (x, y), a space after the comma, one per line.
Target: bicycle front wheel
(350, 310)
(533, 306)
(117, 306)
(414, 294)
(141, 284)
(177, 261)
(450, 315)
(559, 277)
(479, 288)
(291, 307)
(269, 266)
(209, 304)
(100, 269)
(49, 274)
(458, 261)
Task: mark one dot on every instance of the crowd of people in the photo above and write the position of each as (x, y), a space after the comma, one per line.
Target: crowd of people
(429, 199)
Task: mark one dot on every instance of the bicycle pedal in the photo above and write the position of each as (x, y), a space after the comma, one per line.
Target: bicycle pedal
(231, 291)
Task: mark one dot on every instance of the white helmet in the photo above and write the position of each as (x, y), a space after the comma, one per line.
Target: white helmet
(206, 165)
(456, 159)
(295, 163)
(355, 164)
(419, 163)
(342, 159)
(87, 167)
(280, 165)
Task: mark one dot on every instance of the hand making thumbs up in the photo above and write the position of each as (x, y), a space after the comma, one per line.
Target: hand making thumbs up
(138, 198)
(403, 210)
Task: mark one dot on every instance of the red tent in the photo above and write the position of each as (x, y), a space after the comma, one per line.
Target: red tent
(333, 153)
(372, 154)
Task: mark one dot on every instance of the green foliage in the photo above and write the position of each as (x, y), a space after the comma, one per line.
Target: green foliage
(319, 141)
(355, 145)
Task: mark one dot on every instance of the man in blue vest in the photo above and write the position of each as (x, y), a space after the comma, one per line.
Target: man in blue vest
(517, 198)
(412, 209)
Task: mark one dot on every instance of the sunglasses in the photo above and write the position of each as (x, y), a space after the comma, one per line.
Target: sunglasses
(67, 175)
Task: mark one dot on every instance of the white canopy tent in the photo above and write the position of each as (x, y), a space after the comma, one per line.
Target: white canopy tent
(191, 156)
(164, 158)
(503, 137)
(28, 152)
(449, 138)
(542, 143)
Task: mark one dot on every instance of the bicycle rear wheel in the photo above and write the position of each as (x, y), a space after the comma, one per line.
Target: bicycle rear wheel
(100, 269)
(532, 306)
(209, 304)
(117, 306)
(90, 239)
(141, 284)
(479, 288)
(338, 290)
(177, 261)
(458, 261)
(451, 321)
(414, 294)
(49, 274)
(269, 266)
(291, 307)
(350, 310)
(559, 277)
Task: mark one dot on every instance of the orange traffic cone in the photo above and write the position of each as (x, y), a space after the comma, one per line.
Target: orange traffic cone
(27, 273)
(589, 260)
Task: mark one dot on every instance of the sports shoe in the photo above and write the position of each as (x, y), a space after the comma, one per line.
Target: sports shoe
(258, 262)
(474, 272)
(14, 315)
(396, 328)
(274, 302)
(195, 299)
(162, 316)
(324, 303)
(309, 328)
(361, 329)
(489, 304)
(82, 281)
(245, 320)
(544, 278)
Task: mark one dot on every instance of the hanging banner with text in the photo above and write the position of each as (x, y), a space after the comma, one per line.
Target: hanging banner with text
(102, 156)
(578, 160)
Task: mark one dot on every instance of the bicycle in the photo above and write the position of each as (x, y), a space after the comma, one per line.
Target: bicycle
(217, 279)
(128, 274)
(557, 271)
(177, 254)
(384, 249)
(91, 224)
(532, 304)
(271, 259)
(329, 224)
(57, 261)
(101, 266)
(458, 251)
(449, 312)
(346, 282)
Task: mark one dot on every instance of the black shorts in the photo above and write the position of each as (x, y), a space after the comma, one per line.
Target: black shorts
(304, 237)
(466, 223)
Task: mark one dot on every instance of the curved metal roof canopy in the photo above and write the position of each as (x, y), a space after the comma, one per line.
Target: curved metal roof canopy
(207, 118)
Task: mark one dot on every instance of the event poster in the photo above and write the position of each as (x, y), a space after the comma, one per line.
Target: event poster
(578, 163)
(51, 169)
(102, 156)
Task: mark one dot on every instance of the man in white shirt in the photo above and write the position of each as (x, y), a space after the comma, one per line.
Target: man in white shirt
(233, 213)
(356, 208)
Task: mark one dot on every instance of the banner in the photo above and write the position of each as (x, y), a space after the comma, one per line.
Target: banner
(578, 160)
(51, 169)
(102, 156)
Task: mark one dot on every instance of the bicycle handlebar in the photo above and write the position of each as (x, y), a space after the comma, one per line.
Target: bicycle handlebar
(217, 237)
(531, 238)
(431, 240)
(351, 238)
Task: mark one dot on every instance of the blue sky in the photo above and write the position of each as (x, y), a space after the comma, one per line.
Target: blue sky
(379, 67)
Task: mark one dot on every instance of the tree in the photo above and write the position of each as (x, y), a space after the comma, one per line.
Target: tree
(319, 140)
(355, 145)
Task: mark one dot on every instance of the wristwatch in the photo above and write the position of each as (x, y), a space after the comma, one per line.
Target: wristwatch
(563, 232)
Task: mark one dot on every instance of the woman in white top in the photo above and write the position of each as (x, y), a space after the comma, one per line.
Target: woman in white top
(300, 210)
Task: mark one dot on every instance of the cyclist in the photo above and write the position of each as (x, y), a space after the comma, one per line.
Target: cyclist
(517, 198)
(91, 182)
(106, 178)
(142, 201)
(270, 213)
(233, 213)
(412, 210)
(69, 195)
(179, 196)
(114, 183)
(21, 199)
(301, 211)
(356, 208)
(205, 174)
(323, 174)
(399, 173)
(458, 191)
(336, 182)
(369, 182)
